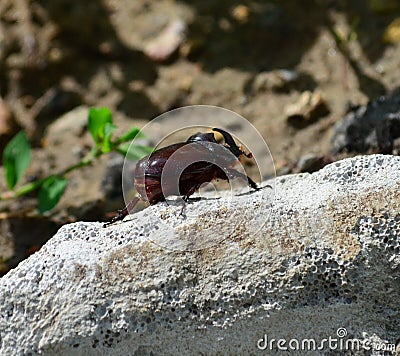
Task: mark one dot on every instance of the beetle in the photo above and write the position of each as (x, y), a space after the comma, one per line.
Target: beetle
(181, 169)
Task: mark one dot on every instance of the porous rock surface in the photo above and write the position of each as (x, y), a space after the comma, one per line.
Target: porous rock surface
(327, 257)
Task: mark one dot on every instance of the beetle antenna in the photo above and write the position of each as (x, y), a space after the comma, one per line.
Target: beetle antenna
(235, 149)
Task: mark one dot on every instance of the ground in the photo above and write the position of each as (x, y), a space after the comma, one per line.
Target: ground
(257, 58)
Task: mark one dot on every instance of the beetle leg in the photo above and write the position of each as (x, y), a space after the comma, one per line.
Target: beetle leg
(122, 213)
(236, 174)
(185, 198)
(183, 210)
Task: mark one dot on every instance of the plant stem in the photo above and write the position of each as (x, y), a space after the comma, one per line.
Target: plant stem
(30, 187)
(88, 159)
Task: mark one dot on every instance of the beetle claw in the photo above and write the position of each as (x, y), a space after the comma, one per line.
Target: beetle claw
(266, 186)
(122, 213)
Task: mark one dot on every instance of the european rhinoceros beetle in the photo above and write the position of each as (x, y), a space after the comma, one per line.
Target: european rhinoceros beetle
(181, 168)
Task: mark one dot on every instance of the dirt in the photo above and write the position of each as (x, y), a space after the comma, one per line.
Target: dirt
(256, 58)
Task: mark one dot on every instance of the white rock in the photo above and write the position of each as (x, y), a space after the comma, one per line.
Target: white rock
(326, 258)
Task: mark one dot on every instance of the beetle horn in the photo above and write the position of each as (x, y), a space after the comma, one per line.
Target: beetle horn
(235, 149)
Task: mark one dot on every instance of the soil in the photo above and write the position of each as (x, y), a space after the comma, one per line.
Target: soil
(257, 58)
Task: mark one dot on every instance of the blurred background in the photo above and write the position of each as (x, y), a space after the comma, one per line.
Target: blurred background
(294, 69)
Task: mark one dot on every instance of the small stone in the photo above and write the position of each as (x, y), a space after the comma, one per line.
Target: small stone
(167, 42)
(55, 55)
(310, 107)
(371, 128)
(241, 13)
(396, 147)
(310, 163)
(71, 124)
(276, 80)
(56, 102)
(192, 47)
(392, 32)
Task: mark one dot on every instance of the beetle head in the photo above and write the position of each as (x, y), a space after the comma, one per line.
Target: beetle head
(231, 144)
(201, 137)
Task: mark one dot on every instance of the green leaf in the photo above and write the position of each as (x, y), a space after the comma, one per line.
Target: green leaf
(50, 192)
(135, 152)
(97, 121)
(108, 131)
(16, 158)
(129, 136)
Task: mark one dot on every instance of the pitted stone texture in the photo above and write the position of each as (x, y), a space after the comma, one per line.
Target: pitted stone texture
(327, 257)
